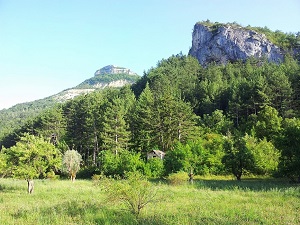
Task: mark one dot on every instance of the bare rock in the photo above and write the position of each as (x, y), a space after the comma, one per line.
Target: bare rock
(228, 43)
(111, 69)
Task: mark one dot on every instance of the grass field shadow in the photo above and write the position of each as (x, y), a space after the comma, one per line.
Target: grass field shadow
(253, 184)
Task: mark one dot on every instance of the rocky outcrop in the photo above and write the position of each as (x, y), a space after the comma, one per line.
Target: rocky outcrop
(111, 69)
(70, 94)
(73, 92)
(113, 84)
(107, 77)
(227, 43)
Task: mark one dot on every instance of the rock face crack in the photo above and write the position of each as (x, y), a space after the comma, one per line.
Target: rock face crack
(228, 44)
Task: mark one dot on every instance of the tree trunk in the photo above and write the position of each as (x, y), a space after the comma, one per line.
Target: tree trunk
(73, 176)
(30, 186)
(179, 132)
(96, 147)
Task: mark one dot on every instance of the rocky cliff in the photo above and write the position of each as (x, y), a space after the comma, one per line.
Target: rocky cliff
(108, 76)
(111, 69)
(227, 43)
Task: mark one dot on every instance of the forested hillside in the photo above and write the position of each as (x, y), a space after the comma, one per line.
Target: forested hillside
(17, 116)
(237, 118)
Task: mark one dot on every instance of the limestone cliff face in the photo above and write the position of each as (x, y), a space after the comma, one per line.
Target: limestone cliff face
(73, 92)
(106, 77)
(111, 69)
(227, 44)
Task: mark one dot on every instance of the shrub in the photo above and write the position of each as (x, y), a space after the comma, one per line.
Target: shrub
(118, 165)
(178, 178)
(101, 181)
(51, 175)
(87, 172)
(135, 192)
(154, 168)
(96, 177)
(178, 159)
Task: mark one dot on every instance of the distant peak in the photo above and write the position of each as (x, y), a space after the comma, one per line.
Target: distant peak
(112, 69)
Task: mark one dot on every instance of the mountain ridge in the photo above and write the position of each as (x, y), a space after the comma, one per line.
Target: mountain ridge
(19, 113)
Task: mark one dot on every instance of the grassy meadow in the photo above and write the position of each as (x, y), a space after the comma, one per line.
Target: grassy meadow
(207, 201)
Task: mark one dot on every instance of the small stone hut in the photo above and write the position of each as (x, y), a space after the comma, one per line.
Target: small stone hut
(155, 154)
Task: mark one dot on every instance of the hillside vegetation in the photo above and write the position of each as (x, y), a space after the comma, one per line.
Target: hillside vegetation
(239, 119)
(107, 78)
(16, 116)
(227, 139)
(20, 114)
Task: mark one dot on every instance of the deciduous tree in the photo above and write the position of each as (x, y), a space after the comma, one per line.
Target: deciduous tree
(32, 157)
(71, 163)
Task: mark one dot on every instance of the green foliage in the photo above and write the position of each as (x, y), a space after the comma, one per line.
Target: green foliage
(3, 165)
(238, 159)
(213, 26)
(250, 155)
(174, 121)
(32, 157)
(266, 156)
(47, 122)
(184, 110)
(178, 73)
(179, 159)
(83, 121)
(141, 124)
(18, 115)
(178, 178)
(217, 122)
(211, 154)
(116, 132)
(204, 156)
(119, 164)
(289, 144)
(135, 192)
(71, 163)
(269, 123)
(154, 168)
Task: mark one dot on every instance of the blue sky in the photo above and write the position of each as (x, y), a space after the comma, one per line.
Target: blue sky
(47, 46)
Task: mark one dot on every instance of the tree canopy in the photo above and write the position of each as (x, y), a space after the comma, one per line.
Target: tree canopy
(235, 118)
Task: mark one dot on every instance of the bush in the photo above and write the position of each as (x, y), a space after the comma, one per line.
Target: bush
(135, 192)
(154, 168)
(97, 177)
(101, 181)
(51, 175)
(179, 159)
(178, 178)
(117, 165)
(87, 172)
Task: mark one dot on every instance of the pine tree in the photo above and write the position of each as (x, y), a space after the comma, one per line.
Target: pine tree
(141, 124)
(115, 134)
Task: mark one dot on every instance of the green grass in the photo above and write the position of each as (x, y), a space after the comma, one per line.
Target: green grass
(207, 201)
